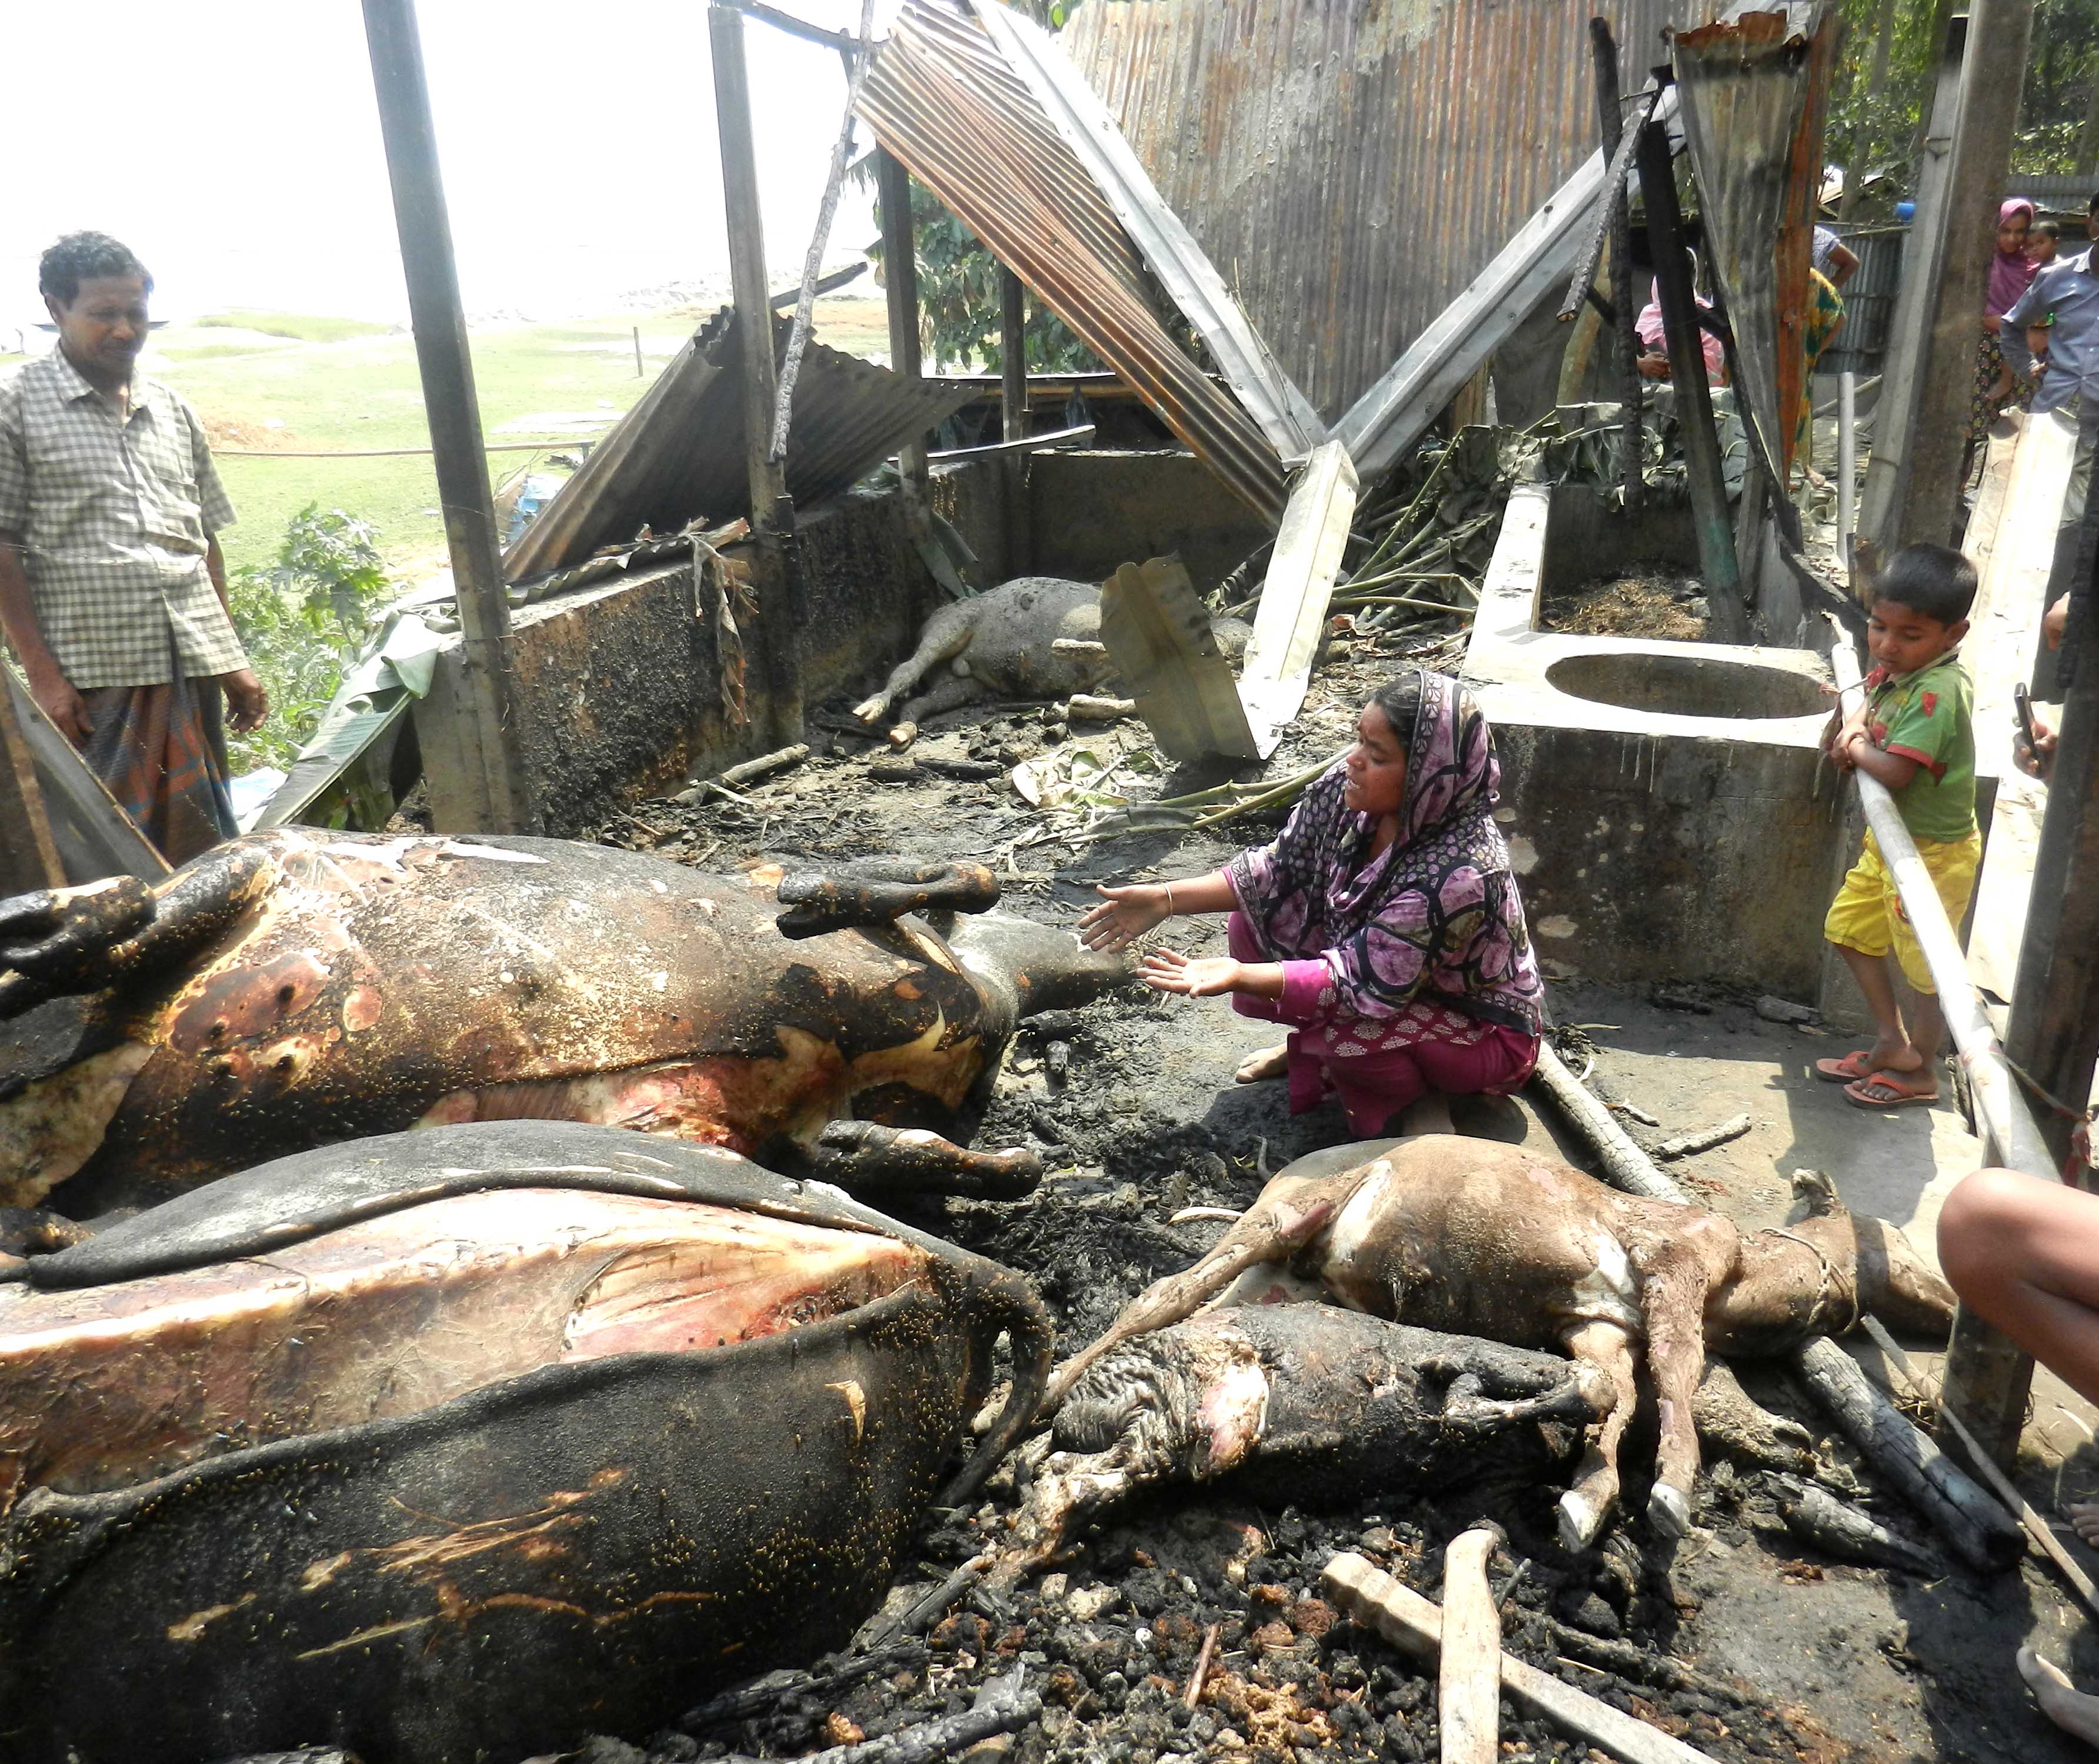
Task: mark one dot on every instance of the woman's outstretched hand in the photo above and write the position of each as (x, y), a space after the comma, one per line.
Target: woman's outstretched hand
(1168, 971)
(1124, 915)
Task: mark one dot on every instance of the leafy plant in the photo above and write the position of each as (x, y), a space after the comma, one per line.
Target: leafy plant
(959, 299)
(303, 621)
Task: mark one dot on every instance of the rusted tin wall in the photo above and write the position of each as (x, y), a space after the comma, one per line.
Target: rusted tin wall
(1349, 165)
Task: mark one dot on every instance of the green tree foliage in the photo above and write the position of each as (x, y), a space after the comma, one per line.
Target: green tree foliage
(1880, 91)
(303, 621)
(958, 297)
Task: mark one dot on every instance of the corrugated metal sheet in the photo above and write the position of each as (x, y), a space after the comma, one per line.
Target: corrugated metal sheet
(1351, 165)
(1869, 300)
(1748, 87)
(678, 456)
(942, 98)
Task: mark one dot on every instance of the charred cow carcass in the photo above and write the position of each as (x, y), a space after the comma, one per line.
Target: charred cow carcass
(1296, 1401)
(466, 1443)
(1033, 637)
(1493, 1240)
(299, 987)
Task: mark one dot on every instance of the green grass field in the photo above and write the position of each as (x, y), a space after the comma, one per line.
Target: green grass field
(337, 386)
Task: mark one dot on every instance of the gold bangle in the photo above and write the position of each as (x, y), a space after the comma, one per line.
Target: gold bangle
(1171, 911)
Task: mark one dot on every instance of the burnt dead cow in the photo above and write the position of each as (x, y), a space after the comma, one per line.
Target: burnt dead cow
(1480, 1238)
(1296, 1401)
(1034, 637)
(300, 987)
(468, 1444)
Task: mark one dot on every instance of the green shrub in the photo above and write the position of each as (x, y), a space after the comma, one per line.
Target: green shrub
(304, 620)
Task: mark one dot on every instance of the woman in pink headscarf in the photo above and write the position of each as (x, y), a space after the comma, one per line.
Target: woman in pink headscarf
(2010, 270)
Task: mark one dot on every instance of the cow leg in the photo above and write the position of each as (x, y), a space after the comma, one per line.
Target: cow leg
(949, 694)
(1286, 1218)
(870, 1160)
(1674, 1280)
(881, 894)
(947, 634)
(1608, 1348)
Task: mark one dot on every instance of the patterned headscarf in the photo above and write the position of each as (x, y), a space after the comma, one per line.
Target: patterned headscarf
(2010, 271)
(1437, 915)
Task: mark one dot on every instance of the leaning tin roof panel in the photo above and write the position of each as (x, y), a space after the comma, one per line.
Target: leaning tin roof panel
(1351, 165)
(945, 102)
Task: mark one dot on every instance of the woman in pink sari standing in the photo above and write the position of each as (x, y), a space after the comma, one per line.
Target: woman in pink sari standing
(1384, 925)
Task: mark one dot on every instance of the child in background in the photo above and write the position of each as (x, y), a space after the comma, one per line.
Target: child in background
(2044, 237)
(1915, 734)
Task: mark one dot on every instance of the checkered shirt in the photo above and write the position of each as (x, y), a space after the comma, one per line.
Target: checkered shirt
(114, 514)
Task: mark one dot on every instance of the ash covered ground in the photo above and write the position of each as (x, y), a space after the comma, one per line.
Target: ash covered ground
(1745, 1642)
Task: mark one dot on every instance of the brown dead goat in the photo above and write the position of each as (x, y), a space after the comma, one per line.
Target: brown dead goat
(1476, 1237)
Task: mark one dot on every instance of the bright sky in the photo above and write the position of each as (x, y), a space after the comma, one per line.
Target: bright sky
(234, 146)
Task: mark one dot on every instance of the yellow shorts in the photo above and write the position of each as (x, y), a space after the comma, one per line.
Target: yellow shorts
(1868, 915)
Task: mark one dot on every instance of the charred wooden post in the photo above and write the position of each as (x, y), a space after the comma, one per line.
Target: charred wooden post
(1013, 402)
(1611, 127)
(502, 796)
(1992, 78)
(1717, 561)
(771, 512)
(900, 273)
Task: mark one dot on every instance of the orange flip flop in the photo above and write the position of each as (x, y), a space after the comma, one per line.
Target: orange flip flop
(1899, 1094)
(1850, 1070)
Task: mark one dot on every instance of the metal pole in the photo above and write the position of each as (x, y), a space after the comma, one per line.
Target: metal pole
(488, 733)
(1987, 1377)
(1847, 462)
(900, 272)
(1610, 122)
(1694, 399)
(772, 517)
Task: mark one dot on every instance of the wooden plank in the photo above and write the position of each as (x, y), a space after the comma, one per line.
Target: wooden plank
(28, 859)
(95, 837)
(1468, 1706)
(771, 512)
(1415, 1625)
(1293, 600)
(1158, 631)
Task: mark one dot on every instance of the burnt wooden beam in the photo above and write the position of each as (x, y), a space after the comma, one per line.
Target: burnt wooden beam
(1610, 129)
(1680, 321)
(771, 512)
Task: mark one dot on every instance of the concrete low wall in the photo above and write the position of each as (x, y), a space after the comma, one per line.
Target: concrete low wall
(1091, 512)
(620, 685)
(1662, 799)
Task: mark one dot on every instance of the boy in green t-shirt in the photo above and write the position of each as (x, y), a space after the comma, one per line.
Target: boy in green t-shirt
(1915, 734)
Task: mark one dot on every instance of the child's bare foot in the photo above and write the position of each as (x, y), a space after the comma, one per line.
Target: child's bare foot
(1270, 1063)
(2083, 1517)
(2070, 1708)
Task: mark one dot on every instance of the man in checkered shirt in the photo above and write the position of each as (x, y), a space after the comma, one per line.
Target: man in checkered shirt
(112, 590)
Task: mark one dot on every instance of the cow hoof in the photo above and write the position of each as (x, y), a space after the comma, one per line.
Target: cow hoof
(1580, 1521)
(1669, 1511)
